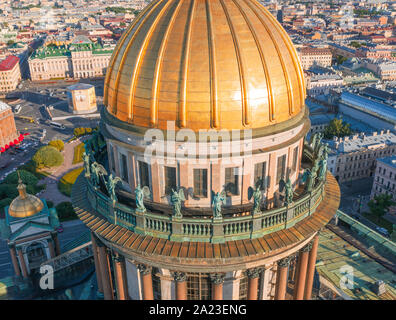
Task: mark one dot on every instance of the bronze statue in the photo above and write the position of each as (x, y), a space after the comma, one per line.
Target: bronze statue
(140, 194)
(87, 164)
(218, 201)
(257, 197)
(288, 187)
(97, 170)
(176, 200)
(111, 183)
(323, 169)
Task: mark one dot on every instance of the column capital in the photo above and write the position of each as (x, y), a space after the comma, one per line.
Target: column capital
(179, 276)
(254, 273)
(144, 269)
(307, 248)
(11, 245)
(118, 257)
(285, 262)
(217, 278)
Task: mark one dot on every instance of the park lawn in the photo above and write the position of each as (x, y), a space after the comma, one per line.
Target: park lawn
(78, 152)
(66, 182)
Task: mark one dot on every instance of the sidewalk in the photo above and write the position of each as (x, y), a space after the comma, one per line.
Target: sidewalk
(51, 192)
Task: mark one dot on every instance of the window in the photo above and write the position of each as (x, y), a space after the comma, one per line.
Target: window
(170, 180)
(260, 170)
(295, 158)
(201, 183)
(156, 284)
(281, 168)
(199, 286)
(231, 182)
(144, 174)
(124, 167)
(112, 158)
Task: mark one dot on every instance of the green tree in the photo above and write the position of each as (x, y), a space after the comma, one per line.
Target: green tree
(27, 178)
(58, 144)
(337, 128)
(65, 211)
(341, 59)
(355, 44)
(47, 156)
(380, 205)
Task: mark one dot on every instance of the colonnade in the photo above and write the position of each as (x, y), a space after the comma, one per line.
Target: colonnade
(304, 275)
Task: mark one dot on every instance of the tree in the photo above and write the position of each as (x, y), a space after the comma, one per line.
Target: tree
(337, 128)
(27, 178)
(380, 205)
(47, 156)
(341, 59)
(58, 144)
(65, 211)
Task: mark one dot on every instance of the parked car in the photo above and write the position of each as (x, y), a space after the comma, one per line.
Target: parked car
(382, 231)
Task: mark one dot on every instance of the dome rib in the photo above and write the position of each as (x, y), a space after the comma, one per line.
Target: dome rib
(212, 64)
(263, 60)
(119, 46)
(284, 69)
(140, 57)
(186, 61)
(245, 106)
(158, 65)
(290, 47)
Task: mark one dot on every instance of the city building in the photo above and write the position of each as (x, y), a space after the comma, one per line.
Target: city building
(385, 177)
(8, 131)
(29, 228)
(210, 78)
(370, 111)
(80, 59)
(81, 98)
(315, 56)
(356, 155)
(321, 84)
(10, 74)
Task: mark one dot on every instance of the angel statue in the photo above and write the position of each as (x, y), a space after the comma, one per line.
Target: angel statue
(217, 202)
(176, 200)
(288, 187)
(97, 170)
(111, 183)
(87, 164)
(257, 197)
(326, 150)
(309, 178)
(323, 169)
(140, 194)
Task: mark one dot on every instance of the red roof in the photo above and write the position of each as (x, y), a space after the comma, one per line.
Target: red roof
(8, 63)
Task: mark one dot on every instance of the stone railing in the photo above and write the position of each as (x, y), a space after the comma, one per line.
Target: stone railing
(207, 228)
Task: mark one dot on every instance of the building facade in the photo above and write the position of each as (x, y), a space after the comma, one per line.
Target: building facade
(80, 59)
(321, 84)
(311, 56)
(8, 131)
(385, 177)
(193, 220)
(356, 155)
(10, 74)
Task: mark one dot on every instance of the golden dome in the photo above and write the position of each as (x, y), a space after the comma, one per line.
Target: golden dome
(223, 64)
(25, 205)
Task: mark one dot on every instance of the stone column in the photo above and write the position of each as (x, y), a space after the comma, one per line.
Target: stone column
(51, 248)
(14, 260)
(22, 263)
(311, 268)
(54, 236)
(281, 278)
(301, 273)
(105, 272)
(253, 275)
(98, 271)
(217, 285)
(119, 271)
(147, 281)
(181, 285)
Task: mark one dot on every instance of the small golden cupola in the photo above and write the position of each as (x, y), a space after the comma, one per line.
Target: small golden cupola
(25, 205)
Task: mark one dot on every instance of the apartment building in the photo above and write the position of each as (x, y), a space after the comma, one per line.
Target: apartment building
(319, 56)
(10, 74)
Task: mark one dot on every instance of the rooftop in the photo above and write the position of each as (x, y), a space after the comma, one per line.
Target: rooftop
(8, 63)
(4, 106)
(390, 161)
